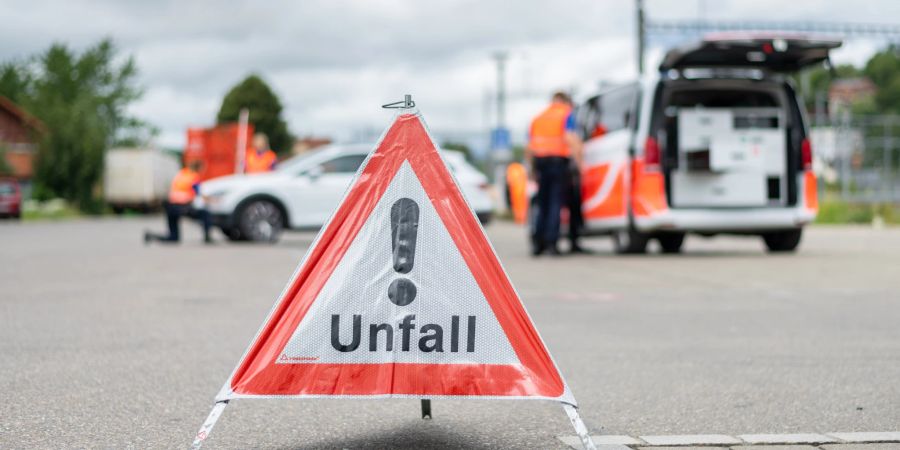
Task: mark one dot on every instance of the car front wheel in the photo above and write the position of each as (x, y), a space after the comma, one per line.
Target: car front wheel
(260, 221)
(232, 234)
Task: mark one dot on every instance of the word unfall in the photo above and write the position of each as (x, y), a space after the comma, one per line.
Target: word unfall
(381, 335)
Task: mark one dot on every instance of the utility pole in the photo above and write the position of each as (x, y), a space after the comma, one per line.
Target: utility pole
(641, 35)
(242, 138)
(500, 153)
(500, 57)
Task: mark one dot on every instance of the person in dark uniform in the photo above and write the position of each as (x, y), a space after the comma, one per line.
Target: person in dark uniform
(553, 145)
(573, 204)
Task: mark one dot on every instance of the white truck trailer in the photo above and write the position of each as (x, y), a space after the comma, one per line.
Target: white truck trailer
(137, 178)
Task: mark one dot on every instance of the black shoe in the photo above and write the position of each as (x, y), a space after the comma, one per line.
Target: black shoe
(537, 249)
(147, 238)
(553, 250)
(208, 240)
(577, 249)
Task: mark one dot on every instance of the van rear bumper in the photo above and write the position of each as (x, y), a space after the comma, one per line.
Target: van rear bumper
(726, 220)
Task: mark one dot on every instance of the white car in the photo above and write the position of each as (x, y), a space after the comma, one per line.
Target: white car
(303, 191)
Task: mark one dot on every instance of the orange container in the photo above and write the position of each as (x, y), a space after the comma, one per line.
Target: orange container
(216, 148)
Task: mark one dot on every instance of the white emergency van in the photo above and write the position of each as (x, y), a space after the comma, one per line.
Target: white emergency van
(715, 142)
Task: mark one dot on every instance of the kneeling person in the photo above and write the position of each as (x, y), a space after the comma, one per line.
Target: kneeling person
(185, 187)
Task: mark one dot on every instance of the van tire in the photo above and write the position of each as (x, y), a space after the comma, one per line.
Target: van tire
(629, 241)
(783, 241)
(671, 242)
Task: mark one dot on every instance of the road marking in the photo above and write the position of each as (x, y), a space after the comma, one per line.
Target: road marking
(622, 442)
(795, 438)
(865, 437)
(776, 447)
(611, 440)
(691, 439)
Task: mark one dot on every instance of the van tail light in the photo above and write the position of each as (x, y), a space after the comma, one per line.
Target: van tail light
(651, 154)
(806, 154)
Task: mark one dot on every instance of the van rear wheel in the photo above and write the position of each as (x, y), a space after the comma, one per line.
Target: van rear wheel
(671, 242)
(630, 241)
(783, 241)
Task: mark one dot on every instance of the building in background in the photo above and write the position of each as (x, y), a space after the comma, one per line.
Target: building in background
(844, 92)
(19, 133)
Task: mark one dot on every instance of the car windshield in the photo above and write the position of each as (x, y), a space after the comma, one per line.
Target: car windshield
(291, 164)
(7, 189)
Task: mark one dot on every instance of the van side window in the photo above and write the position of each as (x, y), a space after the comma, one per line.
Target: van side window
(587, 116)
(617, 106)
(613, 110)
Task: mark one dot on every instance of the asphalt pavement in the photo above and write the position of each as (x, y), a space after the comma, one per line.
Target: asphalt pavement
(106, 343)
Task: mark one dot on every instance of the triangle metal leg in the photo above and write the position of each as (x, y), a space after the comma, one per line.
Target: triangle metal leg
(580, 429)
(207, 427)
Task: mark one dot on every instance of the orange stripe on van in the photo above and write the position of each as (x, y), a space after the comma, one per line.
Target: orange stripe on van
(810, 190)
(648, 191)
(614, 203)
(592, 179)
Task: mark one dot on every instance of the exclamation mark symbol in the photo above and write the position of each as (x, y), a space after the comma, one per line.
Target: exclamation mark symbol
(404, 228)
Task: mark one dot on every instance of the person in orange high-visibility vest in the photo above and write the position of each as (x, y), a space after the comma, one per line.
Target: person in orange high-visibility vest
(259, 158)
(553, 144)
(184, 188)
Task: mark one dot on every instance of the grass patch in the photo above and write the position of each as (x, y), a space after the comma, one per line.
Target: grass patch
(841, 212)
(55, 209)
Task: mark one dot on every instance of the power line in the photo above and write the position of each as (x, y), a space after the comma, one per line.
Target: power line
(891, 31)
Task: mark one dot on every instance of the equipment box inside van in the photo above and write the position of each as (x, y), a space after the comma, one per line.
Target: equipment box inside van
(728, 157)
(715, 142)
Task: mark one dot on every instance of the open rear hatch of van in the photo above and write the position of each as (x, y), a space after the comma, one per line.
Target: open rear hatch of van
(773, 52)
(729, 140)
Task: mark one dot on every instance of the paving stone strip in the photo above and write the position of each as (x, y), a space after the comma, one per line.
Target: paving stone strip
(881, 440)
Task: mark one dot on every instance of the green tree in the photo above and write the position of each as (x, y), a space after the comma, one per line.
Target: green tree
(518, 153)
(884, 70)
(883, 66)
(265, 111)
(82, 99)
(15, 81)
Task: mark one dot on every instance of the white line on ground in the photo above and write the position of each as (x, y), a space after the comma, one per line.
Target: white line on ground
(603, 442)
(621, 442)
(865, 437)
(795, 438)
(691, 439)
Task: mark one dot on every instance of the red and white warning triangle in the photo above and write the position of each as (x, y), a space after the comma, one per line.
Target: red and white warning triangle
(401, 295)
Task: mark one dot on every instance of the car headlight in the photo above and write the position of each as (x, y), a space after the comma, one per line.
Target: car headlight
(215, 197)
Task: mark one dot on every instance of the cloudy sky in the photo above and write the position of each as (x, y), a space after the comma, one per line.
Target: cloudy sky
(333, 63)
